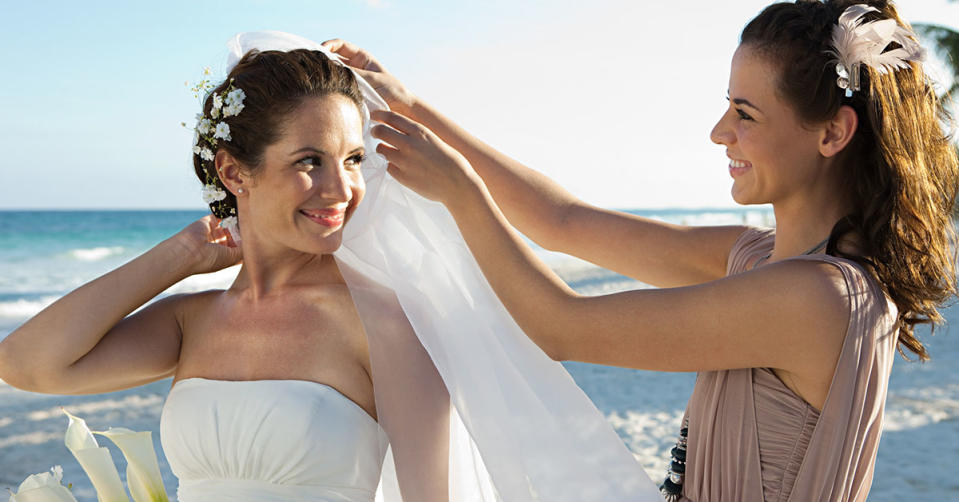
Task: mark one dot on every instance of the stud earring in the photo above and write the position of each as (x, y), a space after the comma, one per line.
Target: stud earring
(239, 190)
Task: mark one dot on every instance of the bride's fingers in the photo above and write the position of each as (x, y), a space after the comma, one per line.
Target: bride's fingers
(208, 222)
(219, 235)
(230, 243)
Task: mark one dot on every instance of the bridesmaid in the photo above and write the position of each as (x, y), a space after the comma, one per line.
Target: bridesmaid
(793, 331)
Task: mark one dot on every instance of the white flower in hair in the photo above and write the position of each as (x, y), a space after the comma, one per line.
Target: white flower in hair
(206, 154)
(197, 150)
(204, 126)
(217, 101)
(232, 109)
(222, 131)
(212, 193)
(234, 102)
(236, 96)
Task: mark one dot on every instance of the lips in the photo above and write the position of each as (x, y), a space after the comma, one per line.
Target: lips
(738, 167)
(331, 217)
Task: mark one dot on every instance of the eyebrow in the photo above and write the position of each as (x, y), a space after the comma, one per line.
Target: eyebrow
(321, 152)
(742, 101)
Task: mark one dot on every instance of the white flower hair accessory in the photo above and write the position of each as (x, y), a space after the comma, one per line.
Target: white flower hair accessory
(212, 193)
(209, 131)
(855, 43)
(222, 131)
(234, 103)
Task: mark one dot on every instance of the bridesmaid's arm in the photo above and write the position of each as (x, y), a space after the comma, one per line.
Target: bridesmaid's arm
(789, 315)
(654, 252)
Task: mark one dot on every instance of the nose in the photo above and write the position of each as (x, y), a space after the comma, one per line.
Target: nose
(335, 184)
(722, 133)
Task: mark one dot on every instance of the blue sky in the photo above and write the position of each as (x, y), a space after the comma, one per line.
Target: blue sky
(613, 99)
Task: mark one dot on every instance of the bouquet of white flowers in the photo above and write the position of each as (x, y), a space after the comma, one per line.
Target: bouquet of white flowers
(143, 470)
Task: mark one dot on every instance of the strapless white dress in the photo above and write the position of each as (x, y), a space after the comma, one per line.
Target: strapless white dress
(269, 441)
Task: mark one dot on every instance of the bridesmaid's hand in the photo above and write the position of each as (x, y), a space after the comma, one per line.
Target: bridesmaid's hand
(386, 85)
(422, 161)
(207, 246)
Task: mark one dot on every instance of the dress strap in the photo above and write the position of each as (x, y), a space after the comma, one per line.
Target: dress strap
(752, 244)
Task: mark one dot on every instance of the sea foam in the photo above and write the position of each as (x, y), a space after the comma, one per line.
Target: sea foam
(916, 408)
(96, 254)
(24, 309)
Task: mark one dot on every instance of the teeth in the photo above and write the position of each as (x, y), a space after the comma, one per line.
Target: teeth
(322, 214)
(738, 163)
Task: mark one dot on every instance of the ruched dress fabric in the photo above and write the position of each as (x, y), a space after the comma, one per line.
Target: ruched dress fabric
(752, 439)
(269, 441)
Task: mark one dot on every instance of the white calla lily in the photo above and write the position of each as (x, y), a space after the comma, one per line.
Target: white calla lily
(43, 487)
(95, 460)
(143, 470)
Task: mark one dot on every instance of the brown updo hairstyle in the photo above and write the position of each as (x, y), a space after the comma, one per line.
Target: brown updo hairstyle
(899, 171)
(275, 83)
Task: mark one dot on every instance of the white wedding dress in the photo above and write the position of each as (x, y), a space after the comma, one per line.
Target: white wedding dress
(270, 440)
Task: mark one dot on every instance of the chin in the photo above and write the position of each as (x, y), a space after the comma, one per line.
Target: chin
(738, 196)
(743, 197)
(325, 245)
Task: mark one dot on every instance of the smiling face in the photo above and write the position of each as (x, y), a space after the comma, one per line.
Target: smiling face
(309, 182)
(773, 156)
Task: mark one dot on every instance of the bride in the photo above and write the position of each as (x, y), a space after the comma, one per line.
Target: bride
(359, 348)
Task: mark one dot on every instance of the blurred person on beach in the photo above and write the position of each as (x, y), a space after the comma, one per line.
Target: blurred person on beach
(793, 330)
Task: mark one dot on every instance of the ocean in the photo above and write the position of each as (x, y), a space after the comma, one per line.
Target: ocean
(45, 254)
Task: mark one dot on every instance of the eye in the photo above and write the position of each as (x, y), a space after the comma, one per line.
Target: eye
(308, 163)
(356, 160)
(743, 115)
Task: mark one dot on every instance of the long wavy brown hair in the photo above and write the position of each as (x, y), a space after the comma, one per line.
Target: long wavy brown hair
(900, 171)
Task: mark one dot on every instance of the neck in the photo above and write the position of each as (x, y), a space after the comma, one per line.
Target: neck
(269, 270)
(804, 222)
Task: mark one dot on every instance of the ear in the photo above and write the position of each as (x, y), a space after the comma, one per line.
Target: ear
(839, 131)
(231, 173)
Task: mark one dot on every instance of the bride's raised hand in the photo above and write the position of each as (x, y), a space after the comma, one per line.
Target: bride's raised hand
(384, 83)
(207, 246)
(422, 161)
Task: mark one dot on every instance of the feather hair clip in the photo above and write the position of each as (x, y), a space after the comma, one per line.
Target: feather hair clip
(855, 43)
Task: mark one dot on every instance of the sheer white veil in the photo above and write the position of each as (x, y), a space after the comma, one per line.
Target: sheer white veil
(469, 403)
